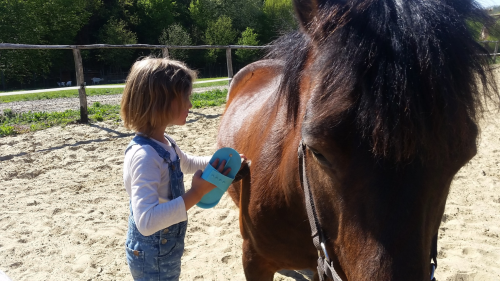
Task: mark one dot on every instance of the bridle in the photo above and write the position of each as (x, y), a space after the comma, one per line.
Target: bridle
(325, 265)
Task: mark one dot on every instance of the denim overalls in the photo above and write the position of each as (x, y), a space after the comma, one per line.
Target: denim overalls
(158, 256)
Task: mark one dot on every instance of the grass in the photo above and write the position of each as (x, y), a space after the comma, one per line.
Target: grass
(210, 98)
(12, 123)
(90, 92)
(220, 83)
(60, 94)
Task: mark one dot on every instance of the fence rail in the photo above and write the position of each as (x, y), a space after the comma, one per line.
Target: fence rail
(495, 51)
(130, 46)
(79, 65)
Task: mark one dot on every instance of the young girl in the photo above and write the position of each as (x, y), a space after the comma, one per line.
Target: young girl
(156, 96)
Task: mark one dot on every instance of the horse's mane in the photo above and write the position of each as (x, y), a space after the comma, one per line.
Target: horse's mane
(412, 69)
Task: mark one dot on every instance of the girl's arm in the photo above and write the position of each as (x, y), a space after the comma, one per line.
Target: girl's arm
(189, 163)
(151, 216)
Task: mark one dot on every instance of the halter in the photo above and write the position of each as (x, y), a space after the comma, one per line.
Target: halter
(325, 265)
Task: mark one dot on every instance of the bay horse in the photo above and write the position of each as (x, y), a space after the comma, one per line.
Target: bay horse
(361, 118)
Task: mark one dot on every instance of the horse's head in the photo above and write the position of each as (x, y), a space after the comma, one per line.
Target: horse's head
(389, 119)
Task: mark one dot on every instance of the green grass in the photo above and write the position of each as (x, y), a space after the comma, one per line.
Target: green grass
(90, 92)
(211, 98)
(197, 80)
(220, 83)
(12, 123)
(60, 94)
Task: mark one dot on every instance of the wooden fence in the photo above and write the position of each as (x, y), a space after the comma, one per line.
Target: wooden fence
(79, 65)
(495, 50)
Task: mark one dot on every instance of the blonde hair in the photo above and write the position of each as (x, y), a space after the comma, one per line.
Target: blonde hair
(152, 85)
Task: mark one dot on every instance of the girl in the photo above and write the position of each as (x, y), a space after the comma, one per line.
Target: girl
(156, 96)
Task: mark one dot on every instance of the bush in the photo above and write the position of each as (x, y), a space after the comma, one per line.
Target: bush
(220, 32)
(98, 117)
(6, 130)
(176, 35)
(248, 38)
(115, 32)
(8, 113)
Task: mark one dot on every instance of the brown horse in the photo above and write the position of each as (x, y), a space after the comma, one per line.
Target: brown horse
(381, 97)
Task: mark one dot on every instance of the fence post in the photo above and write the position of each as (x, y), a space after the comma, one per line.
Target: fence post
(84, 118)
(229, 65)
(495, 52)
(3, 80)
(165, 53)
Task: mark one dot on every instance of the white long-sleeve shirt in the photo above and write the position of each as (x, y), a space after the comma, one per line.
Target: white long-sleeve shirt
(147, 182)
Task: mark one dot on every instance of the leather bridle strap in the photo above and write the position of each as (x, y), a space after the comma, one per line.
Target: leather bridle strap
(325, 265)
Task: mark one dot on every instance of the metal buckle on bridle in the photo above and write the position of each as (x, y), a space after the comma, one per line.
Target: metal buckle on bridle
(325, 253)
(433, 269)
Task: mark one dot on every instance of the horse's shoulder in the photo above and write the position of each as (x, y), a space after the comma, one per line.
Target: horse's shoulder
(255, 75)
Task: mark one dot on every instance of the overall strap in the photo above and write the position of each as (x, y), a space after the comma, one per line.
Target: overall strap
(172, 142)
(142, 140)
(176, 175)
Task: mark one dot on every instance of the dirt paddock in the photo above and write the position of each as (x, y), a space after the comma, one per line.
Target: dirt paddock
(64, 209)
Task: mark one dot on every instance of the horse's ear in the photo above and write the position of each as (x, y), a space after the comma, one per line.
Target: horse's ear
(306, 10)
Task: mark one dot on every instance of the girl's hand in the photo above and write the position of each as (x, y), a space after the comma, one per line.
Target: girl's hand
(200, 187)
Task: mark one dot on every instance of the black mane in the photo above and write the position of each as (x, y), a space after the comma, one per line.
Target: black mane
(410, 67)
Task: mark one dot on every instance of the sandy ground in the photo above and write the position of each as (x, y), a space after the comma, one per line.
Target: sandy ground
(64, 209)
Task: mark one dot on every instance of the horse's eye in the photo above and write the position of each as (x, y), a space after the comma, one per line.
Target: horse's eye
(322, 159)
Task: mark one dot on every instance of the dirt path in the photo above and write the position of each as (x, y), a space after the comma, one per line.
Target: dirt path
(63, 104)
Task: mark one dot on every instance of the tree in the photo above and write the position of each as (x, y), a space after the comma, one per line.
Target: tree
(279, 18)
(115, 32)
(244, 13)
(202, 12)
(248, 38)
(38, 22)
(219, 32)
(176, 35)
(153, 17)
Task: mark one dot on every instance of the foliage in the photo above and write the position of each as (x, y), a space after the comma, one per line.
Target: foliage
(202, 12)
(244, 13)
(38, 22)
(279, 17)
(153, 17)
(115, 32)
(219, 32)
(176, 35)
(173, 22)
(248, 38)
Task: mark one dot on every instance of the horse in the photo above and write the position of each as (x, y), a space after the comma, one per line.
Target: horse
(355, 126)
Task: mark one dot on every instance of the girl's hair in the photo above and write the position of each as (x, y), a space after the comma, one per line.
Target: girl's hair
(152, 86)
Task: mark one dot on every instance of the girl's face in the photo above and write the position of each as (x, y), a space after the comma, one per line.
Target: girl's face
(182, 112)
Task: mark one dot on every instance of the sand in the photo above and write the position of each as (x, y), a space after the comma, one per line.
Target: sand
(64, 209)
